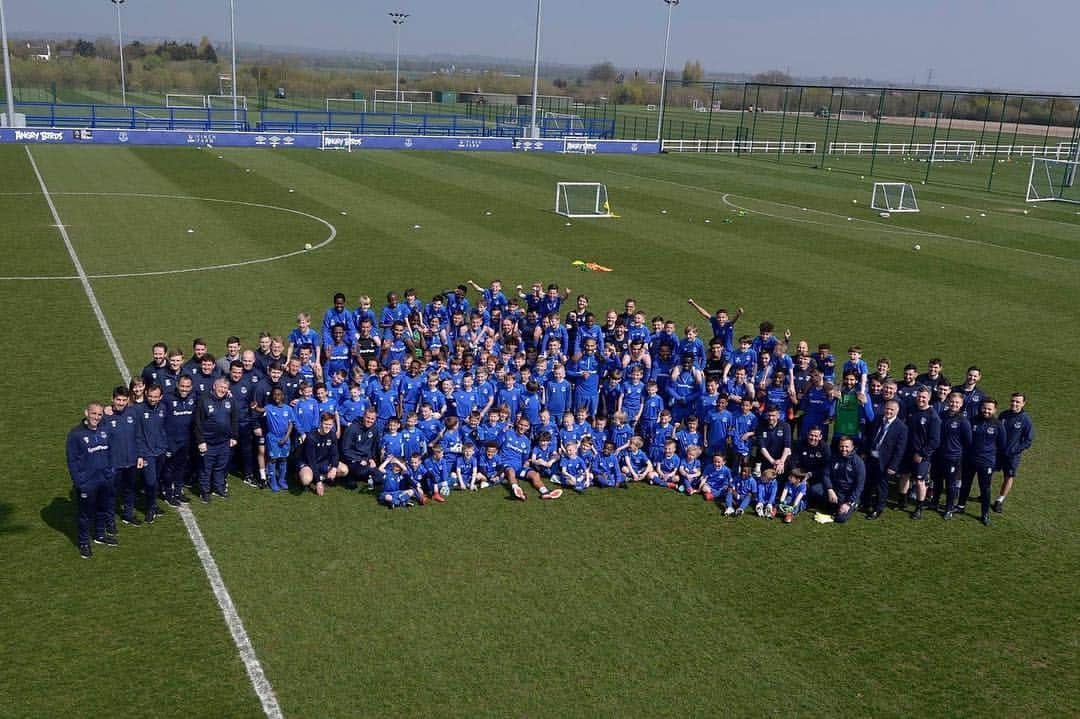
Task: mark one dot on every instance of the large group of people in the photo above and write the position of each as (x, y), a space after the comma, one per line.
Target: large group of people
(522, 388)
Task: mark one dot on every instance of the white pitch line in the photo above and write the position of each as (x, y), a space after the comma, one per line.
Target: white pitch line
(157, 273)
(876, 225)
(263, 689)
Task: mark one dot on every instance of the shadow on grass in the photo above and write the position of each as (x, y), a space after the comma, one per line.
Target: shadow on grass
(60, 514)
(6, 525)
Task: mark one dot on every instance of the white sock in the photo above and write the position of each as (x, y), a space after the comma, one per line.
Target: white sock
(1001, 498)
(262, 473)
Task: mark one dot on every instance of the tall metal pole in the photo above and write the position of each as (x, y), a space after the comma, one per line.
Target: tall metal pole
(120, 35)
(534, 129)
(232, 42)
(663, 73)
(7, 69)
(398, 18)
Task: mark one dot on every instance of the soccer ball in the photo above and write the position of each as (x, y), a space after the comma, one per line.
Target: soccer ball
(307, 246)
(918, 247)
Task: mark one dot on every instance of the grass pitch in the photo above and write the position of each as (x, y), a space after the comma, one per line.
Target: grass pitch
(637, 603)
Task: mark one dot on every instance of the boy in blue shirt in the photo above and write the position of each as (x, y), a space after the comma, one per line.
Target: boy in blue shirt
(573, 470)
(397, 489)
(740, 493)
(858, 365)
(793, 496)
(605, 468)
(280, 422)
(636, 465)
(303, 336)
(765, 494)
(667, 467)
(690, 471)
(717, 479)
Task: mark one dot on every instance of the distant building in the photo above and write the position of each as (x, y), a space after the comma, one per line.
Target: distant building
(39, 52)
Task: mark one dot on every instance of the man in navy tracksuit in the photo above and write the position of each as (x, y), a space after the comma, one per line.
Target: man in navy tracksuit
(243, 387)
(214, 431)
(319, 457)
(1019, 435)
(885, 445)
(91, 473)
(151, 443)
(359, 449)
(179, 415)
(120, 424)
(924, 434)
(955, 440)
(844, 480)
(987, 444)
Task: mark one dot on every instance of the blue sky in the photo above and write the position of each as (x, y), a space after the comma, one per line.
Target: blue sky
(987, 43)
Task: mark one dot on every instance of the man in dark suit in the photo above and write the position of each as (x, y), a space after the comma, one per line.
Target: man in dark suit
(884, 449)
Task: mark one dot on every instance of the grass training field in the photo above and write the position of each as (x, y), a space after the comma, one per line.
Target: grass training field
(638, 603)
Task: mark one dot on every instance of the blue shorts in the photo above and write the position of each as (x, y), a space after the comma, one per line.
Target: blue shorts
(1009, 464)
(919, 471)
(274, 450)
(399, 498)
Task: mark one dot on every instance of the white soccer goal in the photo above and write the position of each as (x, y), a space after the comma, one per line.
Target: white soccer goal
(345, 104)
(393, 106)
(185, 102)
(400, 100)
(332, 140)
(225, 102)
(857, 115)
(1053, 180)
(565, 122)
(894, 197)
(582, 200)
(953, 151)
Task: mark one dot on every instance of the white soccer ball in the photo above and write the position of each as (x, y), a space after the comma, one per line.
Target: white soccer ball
(862, 177)
(344, 212)
(918, 247)
(967, 217)
(416, 227)
(707, 221)
(307, 246)
(663, 212)
(220, 157)
(487, 212)
(829, 169)
(1025, 212)
(850, 219)
(982, 214)
(247, 169)
(190, 231)
(292, 190)
(568, 224)
(854, 202)
(884, 214)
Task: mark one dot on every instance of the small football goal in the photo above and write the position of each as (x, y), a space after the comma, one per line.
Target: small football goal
(178, 101)
(345, 104)
(953, 151)
(225, 102)
(894, 197)
(582, 200)
(1053, 180)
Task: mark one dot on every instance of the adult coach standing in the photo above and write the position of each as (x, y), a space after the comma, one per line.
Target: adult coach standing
(216, 429)
(884, 451)
(92, 474)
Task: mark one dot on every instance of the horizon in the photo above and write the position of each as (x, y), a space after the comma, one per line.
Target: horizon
(857, 44)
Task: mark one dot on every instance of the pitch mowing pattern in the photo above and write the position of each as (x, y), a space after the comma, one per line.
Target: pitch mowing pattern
(636, 603)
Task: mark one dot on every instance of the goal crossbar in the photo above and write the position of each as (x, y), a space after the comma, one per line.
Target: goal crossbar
(894, 197)
(582, 200)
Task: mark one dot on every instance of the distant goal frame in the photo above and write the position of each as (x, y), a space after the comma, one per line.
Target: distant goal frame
(601, 203)
(905, 189)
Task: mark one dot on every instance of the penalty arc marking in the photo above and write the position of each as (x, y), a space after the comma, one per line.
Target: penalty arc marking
(205, 268)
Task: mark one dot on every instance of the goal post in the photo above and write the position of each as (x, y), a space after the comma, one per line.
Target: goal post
(345, 104)
(178, 101)
(225, 102)
(336, 140)
(582, 200)
(953, 151)
(1053, 180)
(894, 197)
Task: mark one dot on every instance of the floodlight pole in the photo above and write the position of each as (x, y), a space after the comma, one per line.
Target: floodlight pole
(232, 43)
(663, 73)
(398, 18)
(534, 129)
(120, 35)
(7, 69)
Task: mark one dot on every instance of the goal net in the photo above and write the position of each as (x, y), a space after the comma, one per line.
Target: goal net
(894, 197)
(563, 122)
(185, 102)
(336, 141)
(953, 151)
(225, 102)
(582, 199)
(345, 104)
(1051, 180)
